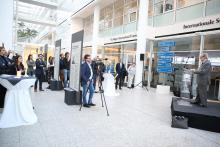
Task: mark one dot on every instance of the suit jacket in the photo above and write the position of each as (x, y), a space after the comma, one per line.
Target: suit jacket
(85, 73)
(120, 70)
(7, 66)
(204, 73)
(40, 64)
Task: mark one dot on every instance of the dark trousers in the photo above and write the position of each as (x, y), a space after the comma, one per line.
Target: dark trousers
(40, 79)
(119, 81)
(2, 95)
(94, 80)
(202, 94)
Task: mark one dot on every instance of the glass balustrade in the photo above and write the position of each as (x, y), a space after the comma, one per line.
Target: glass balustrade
(189, 13)
(213, 7)
(164, 19)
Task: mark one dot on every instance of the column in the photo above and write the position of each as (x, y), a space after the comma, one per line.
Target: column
(76, 25)
(150, 63)
(95, 35)
(141, 38)
(6, 25)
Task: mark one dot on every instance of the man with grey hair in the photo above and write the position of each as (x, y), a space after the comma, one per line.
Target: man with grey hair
(203, 80)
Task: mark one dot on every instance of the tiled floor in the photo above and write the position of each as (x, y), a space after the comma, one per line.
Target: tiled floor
(137, 119)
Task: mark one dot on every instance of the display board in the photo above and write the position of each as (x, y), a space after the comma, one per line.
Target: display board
(164, 63)
(57, 59)
(76, 53)
(45, 53)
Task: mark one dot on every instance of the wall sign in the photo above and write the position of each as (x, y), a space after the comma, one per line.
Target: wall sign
(165, 57)
(200, 24)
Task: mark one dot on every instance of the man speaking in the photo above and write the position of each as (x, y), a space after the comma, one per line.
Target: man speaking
(203, 80)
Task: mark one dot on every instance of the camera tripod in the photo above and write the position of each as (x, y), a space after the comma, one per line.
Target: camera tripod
(101, 91)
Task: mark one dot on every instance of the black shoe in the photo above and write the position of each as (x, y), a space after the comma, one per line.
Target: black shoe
(202, 105)
(120, 88)
(86, 105)
(194, 102)
(92, 104)
(41, 90)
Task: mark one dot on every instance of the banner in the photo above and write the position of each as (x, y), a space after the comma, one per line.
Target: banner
(75, 61)
(45, 53)
(57, 59)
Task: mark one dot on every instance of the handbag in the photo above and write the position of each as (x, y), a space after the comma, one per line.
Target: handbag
(179, 122)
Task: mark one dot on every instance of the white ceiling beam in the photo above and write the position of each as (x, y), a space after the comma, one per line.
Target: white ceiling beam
(36, 21)
(46, 4)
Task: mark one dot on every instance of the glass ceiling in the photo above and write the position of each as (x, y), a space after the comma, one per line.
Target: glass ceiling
(44, 15)
(40, 15)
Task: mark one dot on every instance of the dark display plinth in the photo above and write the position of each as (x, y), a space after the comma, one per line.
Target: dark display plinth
(2, 96)
(205, 118)
(56, 85)
(72, 97)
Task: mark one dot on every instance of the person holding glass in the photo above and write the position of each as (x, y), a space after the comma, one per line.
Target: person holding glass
(30, 64)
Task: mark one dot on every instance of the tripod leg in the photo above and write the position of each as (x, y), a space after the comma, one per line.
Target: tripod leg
(101, 91)
(105, 104)
(81, 105)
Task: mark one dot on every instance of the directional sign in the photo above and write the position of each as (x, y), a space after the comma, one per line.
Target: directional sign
(170, 54)
(164, 49)
(166, 43)
(165, 60)
(164, 65)
(165, 70)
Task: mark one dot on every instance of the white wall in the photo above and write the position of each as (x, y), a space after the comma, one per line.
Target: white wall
(6, 22)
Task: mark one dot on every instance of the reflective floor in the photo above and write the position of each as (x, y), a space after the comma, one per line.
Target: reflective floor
(138, 118)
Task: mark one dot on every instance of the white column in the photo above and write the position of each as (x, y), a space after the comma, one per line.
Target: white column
(95, 34)
(141, 38)
(76, 25)
(6, 24)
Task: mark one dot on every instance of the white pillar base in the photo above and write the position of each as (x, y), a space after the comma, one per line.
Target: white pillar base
(162, 89)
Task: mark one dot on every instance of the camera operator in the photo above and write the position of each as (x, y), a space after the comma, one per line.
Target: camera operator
(98, 69)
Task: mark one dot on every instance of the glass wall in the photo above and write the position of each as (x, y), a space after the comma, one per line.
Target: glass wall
(212, 47)
(88, 28)
(118, 18)
(186, 56)
(116, 53)
(186, 53)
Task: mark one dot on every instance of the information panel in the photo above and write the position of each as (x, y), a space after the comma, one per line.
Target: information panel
(76, 53)
(57, 59)
(165, 57)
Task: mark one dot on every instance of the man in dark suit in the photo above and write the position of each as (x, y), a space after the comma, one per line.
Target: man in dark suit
(203, 75)
(87, 81)
(120, 69)
(39, 72)
(7, 66)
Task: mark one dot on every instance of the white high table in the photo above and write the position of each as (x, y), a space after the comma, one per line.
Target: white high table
(18, 109)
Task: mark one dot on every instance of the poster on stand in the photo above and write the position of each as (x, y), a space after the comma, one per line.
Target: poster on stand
(45, 53)
(75, 61)
(57, 59)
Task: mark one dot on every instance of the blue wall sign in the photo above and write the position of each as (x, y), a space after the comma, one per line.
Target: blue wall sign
(165, 57)
(166, 43)
(165, 70)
